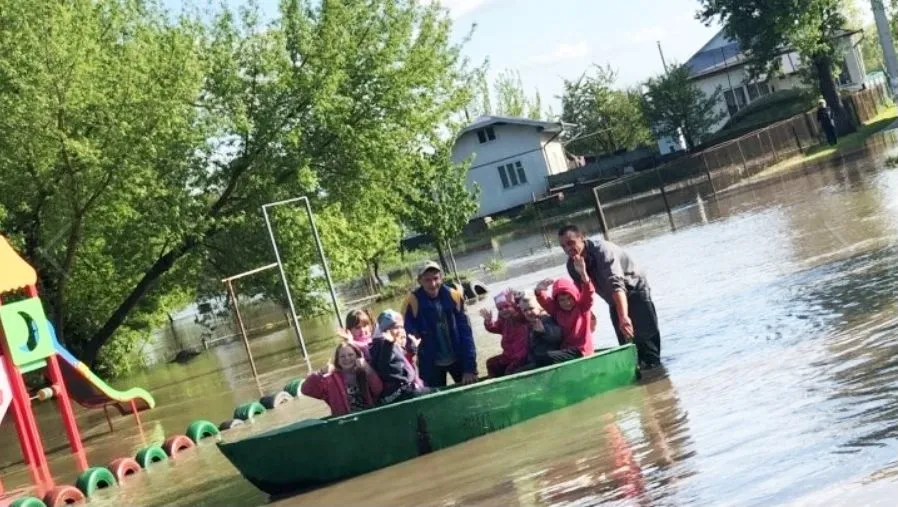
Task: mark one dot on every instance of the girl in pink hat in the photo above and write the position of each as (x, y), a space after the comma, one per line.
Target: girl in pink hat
(514, 330)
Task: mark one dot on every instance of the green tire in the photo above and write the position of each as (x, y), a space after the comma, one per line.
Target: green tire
(248, 411)
(294, 387)
(27, 501)
(94, 479)
(200, 430)
(149, 455)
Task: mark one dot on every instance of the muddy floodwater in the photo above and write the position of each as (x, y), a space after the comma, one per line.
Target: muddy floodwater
(779, 317)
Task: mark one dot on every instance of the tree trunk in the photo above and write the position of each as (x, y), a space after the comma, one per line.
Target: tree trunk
(152, 275)
(690, 142)
(829, 90)
(439, 245)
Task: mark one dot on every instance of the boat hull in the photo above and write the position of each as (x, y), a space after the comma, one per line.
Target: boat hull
(312, 453)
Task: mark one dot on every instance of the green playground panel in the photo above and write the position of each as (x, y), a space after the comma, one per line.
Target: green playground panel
(29, 345)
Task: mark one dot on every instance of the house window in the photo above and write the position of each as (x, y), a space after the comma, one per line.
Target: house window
(735, 99)
(731, 102)
(486, 135)
(512, 175)
(757, 90)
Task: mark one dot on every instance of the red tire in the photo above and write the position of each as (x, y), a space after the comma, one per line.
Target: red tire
(123, 468)
(177, 444)
(61, 496)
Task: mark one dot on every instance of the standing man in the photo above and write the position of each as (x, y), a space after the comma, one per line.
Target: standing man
(623, 286)
(825, 119)
(435, 314)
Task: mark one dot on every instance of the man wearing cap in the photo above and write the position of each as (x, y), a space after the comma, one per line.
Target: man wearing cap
(620, 282)
(435, 314)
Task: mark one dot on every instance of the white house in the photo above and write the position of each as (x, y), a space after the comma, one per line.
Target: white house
(721, 63)
(511, 158)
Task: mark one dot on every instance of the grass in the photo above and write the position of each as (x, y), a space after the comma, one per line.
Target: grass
(846, 144)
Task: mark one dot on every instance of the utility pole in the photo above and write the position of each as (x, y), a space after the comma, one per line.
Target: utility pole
(888, 46)
(663, 61)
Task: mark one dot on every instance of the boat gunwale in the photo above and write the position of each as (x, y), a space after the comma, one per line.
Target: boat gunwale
(456, 388)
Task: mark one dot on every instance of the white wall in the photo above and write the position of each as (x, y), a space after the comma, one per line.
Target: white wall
(513, 143)
(557, 162)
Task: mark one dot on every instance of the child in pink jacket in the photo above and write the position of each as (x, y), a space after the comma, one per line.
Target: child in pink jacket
(571, 307)
(514, 330)
(346, 385)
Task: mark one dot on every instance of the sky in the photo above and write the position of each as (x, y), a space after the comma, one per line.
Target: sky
(549, 41)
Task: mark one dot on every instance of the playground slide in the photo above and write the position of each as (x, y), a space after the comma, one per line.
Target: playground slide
(90, 391)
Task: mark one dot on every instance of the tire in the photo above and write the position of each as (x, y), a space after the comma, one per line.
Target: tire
(28, 501)
(148, 456)
(276, 400)
(94, 479)
(479, 288)
(61, 496)
(200, 430)
(177, 444)
(294, 387)
(123, 468)
(248, 411)
(230, 423)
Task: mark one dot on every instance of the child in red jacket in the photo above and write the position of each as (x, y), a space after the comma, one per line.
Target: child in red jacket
(571, 307)
(346, 385)
(514, 330)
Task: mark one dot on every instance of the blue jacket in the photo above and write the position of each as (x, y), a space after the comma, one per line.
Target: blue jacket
(421, 321)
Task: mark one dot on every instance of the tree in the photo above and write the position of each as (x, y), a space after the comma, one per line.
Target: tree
(607, 119)
(766, 29)
(673, 105)
(441, 204)
(507, 97)
(138, 150)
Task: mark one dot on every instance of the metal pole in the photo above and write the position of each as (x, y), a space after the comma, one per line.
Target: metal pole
(242, 328)
(600, 214)
(277, 256)
(327, 271)
(666, 202)
(888, 46)
(708, 173)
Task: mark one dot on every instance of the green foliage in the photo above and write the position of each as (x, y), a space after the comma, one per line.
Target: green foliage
(673, 104)
(495, 265)
(607, 119)
(871, 50)
(440, 203)
(764, 111)
(137, 149)
(764, 28)
(507, 98)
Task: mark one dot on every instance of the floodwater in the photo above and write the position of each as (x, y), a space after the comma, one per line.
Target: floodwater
(779, 318)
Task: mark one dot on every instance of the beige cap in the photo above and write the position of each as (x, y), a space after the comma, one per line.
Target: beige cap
(427, 266)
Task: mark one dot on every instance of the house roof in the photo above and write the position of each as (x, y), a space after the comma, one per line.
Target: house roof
(487, 121)
(722, 53)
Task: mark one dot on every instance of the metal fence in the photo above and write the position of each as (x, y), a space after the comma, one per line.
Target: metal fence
(214, 326)
(704, 173)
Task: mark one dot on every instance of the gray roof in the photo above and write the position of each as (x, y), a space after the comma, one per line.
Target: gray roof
(710, 61)
(487, 121)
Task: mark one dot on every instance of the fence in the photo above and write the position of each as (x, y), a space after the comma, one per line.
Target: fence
(214, 326)
(631, 198)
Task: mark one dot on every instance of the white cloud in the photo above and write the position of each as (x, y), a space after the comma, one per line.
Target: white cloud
(458, 8)
(563, 51)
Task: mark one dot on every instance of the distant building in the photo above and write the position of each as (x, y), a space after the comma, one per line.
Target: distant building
(722, 64)
(511, 159)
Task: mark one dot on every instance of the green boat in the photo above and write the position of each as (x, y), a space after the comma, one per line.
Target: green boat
(312, 453)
